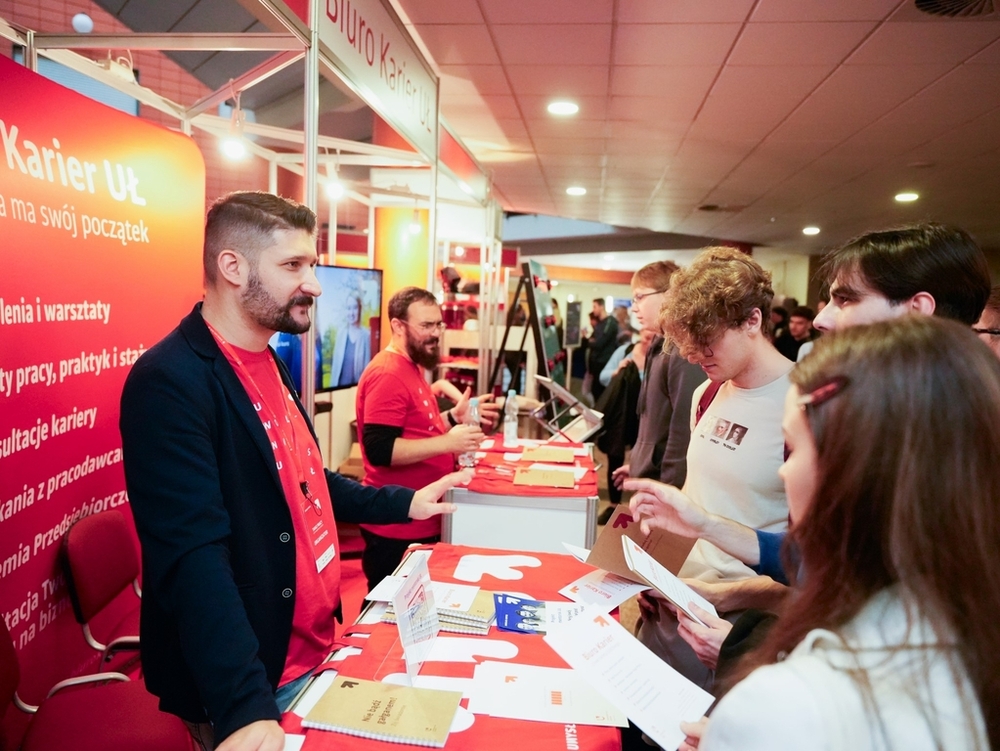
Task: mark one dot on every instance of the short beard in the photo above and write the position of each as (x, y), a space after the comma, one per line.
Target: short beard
(421, 356)
(267, 312)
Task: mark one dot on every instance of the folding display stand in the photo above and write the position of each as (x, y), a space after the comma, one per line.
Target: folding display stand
(571, 420)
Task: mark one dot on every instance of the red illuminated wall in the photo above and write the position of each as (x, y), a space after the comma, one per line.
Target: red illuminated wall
(101, 220)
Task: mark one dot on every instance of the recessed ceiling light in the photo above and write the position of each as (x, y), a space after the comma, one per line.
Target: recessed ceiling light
(810, 230)
(564, 108)
(576, 190)
(907, 197)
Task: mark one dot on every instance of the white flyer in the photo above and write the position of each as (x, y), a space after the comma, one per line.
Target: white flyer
(531, 692)
(603, 589)
(577, 552)
(679, 593)
(652, 694)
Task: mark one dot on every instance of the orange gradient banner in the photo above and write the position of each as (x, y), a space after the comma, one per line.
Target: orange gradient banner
(101, 220)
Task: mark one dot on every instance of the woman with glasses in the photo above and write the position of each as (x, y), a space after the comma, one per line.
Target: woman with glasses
(890, 640)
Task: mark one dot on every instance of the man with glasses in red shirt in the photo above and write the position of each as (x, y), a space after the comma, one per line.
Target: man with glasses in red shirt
(405, 439)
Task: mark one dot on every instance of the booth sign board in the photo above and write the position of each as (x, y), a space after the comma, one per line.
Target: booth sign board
(371, 48)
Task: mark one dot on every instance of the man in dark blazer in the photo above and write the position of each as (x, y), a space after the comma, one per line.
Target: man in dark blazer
(234, 509)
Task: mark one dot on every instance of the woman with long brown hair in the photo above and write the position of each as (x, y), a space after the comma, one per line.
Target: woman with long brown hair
(890, 640)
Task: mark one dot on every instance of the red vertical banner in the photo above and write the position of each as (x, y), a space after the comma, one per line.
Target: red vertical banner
(101, 222)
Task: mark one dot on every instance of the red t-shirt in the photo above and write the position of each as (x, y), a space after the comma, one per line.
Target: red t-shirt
(317, 565)
(393, 392)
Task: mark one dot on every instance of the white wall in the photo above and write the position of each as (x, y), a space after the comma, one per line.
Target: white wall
(789, 272)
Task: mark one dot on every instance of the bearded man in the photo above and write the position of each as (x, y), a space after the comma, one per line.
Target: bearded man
(233, 506)
(405, 439)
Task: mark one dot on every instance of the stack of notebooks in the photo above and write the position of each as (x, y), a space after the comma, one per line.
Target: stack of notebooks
(475, 620)
(385, 712)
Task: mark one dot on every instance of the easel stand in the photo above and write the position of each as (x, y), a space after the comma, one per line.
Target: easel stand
(522, 286)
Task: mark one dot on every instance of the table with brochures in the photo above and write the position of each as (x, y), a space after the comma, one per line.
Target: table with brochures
(370, 650)
(494, 512)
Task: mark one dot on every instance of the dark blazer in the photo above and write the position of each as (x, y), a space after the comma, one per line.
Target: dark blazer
(218, 546)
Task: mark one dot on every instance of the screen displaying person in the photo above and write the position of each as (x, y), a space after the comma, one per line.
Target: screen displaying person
(352, 346)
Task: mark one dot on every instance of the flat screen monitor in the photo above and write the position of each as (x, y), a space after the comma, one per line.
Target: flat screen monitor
(345, 332)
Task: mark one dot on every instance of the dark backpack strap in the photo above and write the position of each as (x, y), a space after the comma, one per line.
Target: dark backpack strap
(706, 400)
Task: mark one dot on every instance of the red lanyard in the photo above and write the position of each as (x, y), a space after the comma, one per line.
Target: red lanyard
(286, 397)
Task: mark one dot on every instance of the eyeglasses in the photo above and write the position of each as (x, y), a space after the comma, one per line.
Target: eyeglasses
(638, 297)
(991, 332)
(428, 326)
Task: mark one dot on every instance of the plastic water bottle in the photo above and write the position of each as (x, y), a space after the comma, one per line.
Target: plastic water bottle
(510, 419)
(468, 458)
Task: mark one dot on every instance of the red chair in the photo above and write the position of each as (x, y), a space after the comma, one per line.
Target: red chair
(100, 562)
(100, 712)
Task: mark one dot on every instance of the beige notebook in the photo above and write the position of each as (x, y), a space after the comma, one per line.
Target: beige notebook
(385, 712)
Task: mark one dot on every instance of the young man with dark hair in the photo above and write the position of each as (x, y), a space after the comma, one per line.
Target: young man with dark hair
(405, 439)
(800, 330)
(928, 268)
(233, 506)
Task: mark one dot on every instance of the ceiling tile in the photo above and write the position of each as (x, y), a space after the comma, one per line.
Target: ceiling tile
(458, 44)
(670, 109)
(747, 103)
(855, 96)
(557, 128)
(916, 42)
(442, 11)
(564, 12)
(963, 94)
(554, 44)
(798, 43)
(683, 11)
(674, 44)
(662, 80)
(967, 141)
(486, 79)
(493, 105)
(570, 145)
(836, 10)
(560, 81)
(989, 56)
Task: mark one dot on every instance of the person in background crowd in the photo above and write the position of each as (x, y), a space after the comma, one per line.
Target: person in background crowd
(878, 650)
(601, 344)
(956, 269)
(799, 332)
(669, 380)
(988, 325)
(715, 313)
(404, 437)
(779, 322)
(624, 325)
(234, 509)
(622, 377)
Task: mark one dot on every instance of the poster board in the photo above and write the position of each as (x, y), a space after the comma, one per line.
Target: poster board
(102, 217)
(572, 333)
